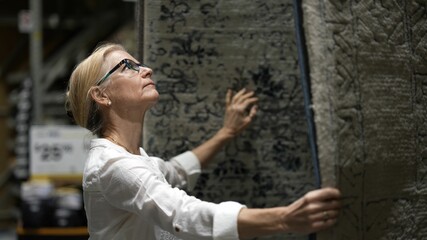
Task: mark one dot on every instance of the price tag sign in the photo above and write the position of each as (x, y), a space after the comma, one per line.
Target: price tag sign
(58, 150)
(25, 23)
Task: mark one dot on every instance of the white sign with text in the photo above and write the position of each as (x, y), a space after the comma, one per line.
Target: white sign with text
(58, 150)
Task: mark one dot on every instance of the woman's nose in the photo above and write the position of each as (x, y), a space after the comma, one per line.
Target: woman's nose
(145, 72)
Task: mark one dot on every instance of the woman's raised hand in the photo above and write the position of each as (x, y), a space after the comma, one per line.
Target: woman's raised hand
(240, 110)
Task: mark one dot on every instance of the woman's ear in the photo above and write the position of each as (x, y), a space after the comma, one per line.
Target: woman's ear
(99, 96)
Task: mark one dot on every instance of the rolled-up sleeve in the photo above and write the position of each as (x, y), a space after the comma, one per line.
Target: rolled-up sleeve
(225, 221)
(182, 170)
(191, 165)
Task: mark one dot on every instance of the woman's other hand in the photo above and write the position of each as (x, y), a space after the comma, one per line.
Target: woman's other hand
(316, 210)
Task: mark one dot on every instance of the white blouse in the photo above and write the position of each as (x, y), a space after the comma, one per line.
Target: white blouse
(130, 197)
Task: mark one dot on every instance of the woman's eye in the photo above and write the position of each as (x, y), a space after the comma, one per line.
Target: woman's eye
(127, 66)
(135, 67)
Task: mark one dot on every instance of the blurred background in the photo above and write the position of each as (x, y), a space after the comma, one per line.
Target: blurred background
(41, 42)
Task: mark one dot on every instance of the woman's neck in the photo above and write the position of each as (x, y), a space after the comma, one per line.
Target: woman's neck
(124, 128)
(126, 135)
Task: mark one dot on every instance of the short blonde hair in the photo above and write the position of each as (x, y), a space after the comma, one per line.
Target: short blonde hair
(79, 103)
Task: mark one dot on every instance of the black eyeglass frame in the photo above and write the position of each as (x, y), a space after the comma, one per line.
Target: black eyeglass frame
(128, 62)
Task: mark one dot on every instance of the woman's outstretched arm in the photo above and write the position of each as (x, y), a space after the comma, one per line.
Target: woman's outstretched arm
(316, 210)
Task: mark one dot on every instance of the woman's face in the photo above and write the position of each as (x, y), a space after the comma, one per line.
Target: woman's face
(127, 88)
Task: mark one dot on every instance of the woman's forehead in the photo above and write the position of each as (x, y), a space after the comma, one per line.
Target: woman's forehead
(116, 56)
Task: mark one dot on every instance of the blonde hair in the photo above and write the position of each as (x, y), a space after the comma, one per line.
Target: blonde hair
(79, 103)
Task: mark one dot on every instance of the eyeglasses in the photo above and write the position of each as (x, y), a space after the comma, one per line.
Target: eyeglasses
(128, 64)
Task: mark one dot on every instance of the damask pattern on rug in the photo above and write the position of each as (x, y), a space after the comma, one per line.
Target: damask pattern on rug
(199, 49)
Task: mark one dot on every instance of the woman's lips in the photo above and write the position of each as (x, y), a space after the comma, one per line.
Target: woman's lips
(150, 83)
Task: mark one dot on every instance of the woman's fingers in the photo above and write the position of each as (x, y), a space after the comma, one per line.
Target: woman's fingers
(238, 95)
(228, 97)
(324, 215)
(321, 225)
(245, 100)
(242, 96)
(241, 101)
(323, 207)
(253, 111)
(316, 210)
(319, 206)
(249, 101)
(323, 194)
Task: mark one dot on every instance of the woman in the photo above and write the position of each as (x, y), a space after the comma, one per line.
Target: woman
(129, 195)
